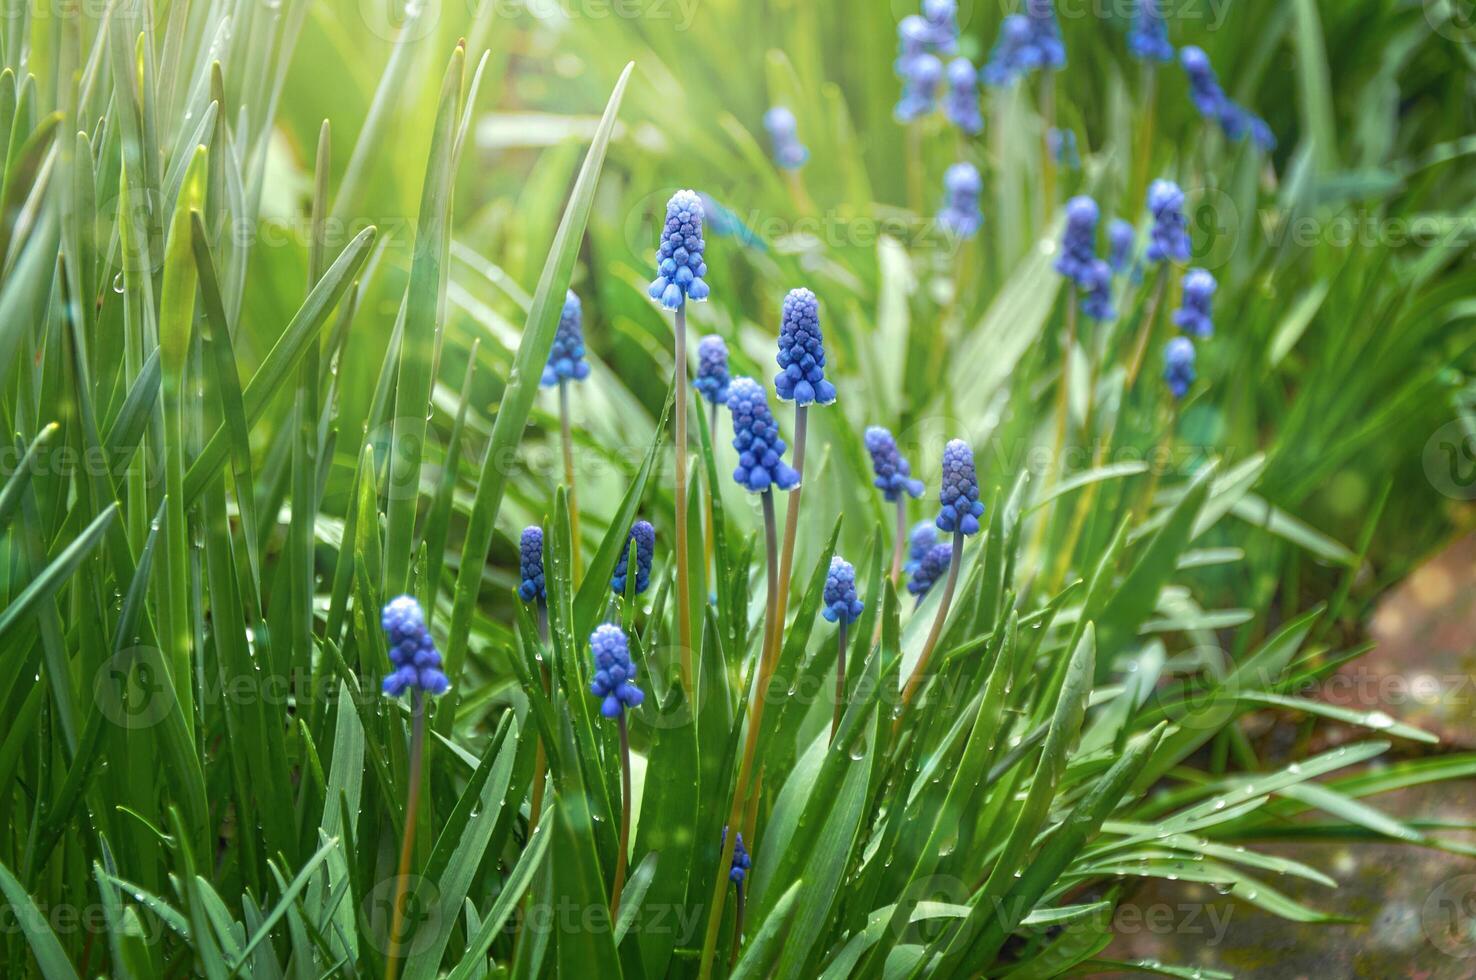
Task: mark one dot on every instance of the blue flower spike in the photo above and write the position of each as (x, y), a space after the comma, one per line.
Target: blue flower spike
(566, 358)
(1169, 237)
(962, 187)
(1045, 35)
(921, 75)
(1122, 240)
(962, 103)
(1079, 241)
(1210, 99)
(761, 465)
(1194, 316)
(941, 17)
(789, 152)
(1011, 55)
(680, 270)
(841, 604)
(922, 539)
(928, 569)
(802, 352)
(893, 472)
(712, 369)
(1178, 365)
(1148, 38)
(615, 673)
(530, 565)
(1096, 301)
(959, 497)
(738, 870)
(414, 659)
(644, 536)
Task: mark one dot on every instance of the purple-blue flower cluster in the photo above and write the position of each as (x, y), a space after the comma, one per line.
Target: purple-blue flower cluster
(1079, 241)
(941, 17)
(920, 77)
(962, 187)
(712, 369)
(566, 358)
(1027, 42)
(738, 870)
(530, 565)
(615, 673)
(920, 540)
(414, 659)
(1209, 97)
(893, 472)
(1178, 365)
(1193, 315)
(680, 270)
(802, 352)
(1169, 237)
(921, 40)
(644, 536)
(959, 496)
(841, 603)
(929, 568)
(1148, 38)
(962, 103)
(761, 465)
(1096, 300)
(789, 152)
(1122, 240)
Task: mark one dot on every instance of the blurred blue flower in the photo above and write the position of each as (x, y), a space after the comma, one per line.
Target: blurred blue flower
(724, 223)
(789, 152)
(893, 473)
(1148, 38)
(920, 540)
(615, 673)
(414, 659)
(679, 266)
(959, 495)
(802, 352)
(920, 77)
(644, 536)
(712, 369)
(962, 186)
(962, 104)
(1045, 35)
(1169, 237)
(1122, 240)
(1210, 99)
(941, 17)
(566, 357)
(1063, 148)
(1013, 54)
(929, 568)
(1096, 301)
(1193, 315)
(530, 565)
(761, 463)
(1178, 365)
(1079, 240)
(841, 604)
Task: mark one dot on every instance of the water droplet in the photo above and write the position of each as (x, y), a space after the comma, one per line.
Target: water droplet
(118, 283)
(1377, 719)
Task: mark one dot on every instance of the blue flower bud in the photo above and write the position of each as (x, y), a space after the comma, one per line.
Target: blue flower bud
(1178, 365)
(712, 369)
(1079, 240)
(1169, 237)
(962, 104)
(802, 352)
(644, 536)
(962, 187)
(941, 17)
(614, 677)
(959, 496)
(1193, 315)
(530, 565)
(893, 473)
(920, 540)
(1148, 38)
(1122, 239)
(761, 463)
(414, 659)
(566, 357)
(1096, 300)
(929, 568)
(680, 271)
(789, 152)
(1013, 54)
(738, 870)
(920, 77)
(841, 604)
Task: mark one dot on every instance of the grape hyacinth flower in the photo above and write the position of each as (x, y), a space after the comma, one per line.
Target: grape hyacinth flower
(959, 497)
(941, 18)
(1063, 148)
(1178, 365)
(412, 652)
(761, 465)
(1045, 35)
(1097, 299)
(789, 152)
(1210, 99)
(920, 77)
(1193, 316)
(839, 597)
(679, 265)
(712, 369)
(913, 39)
(530, 565)
(615, 672)
(1148, 38)
(738, 870)
(893, 472)
(929, 568)
(802, 352)
(644, 536)
(1079, 241)
(1122, 239)
(566, 358)
(1169, 237)
(962, 104)
(921, 540)
(961, 216)
(1012, 53)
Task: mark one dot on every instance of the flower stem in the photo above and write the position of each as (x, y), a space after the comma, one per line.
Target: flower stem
(914, 168)
(568, 446)
(897, 545)
(921, 670)
(407, 844)
(1063, 411)
(1145, 331)
(750, 744)
(840, 678)
(1145, 132)
(1048, 159)
(684, 574)
(708, 531)
(540, 757)
(737, 926)
(620, 857)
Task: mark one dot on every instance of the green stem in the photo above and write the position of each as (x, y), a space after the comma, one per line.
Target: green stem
(840, 678)
(620, 857)
(898, 543)
(568, 447)
(920, 672)
(684, 573)
(407, 844)
(1145, 330)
